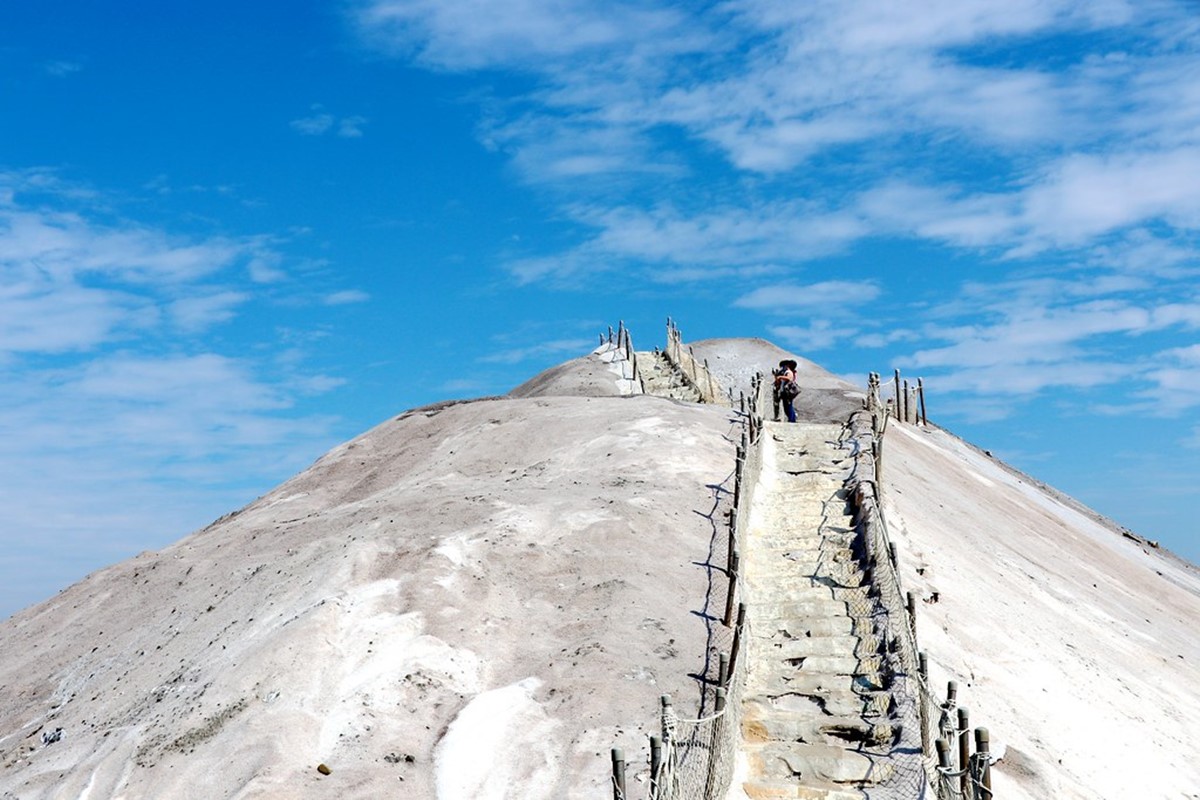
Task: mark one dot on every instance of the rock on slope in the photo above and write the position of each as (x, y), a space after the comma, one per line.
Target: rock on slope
(467, 598)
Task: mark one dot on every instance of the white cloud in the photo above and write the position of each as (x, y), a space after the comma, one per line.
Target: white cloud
(313, 125)
(346, 297)
(829, 297)
(819, 334)
(351, 127)
(1085, 196)
(321, 122)
(111, 400)
(61, 69)
(474, 34)
(204, 310)
(516, 355)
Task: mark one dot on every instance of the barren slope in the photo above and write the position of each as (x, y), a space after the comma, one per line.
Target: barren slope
(1075, 645)
(461, 600)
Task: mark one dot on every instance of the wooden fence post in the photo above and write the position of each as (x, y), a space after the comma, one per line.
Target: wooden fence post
(723, 669)
(921, 400)
(943, 756)
(910, 602)
(729, 593)
(618, 768)
(655, 764)
(964, 750)
(896, 389)
(737, 638)
(982, 749)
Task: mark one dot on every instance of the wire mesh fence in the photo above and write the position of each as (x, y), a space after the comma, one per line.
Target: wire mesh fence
(913, 756)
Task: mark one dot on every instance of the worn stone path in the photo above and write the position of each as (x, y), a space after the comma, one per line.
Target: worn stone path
(664, 379)
(815, 702)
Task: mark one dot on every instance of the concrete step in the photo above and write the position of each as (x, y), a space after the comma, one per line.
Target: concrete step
(766, 684)
(824, 765)
(823, 699)
(787, 790)
(816, 727)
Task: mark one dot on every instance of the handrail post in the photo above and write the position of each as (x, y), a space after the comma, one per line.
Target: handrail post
(618, 771)
(982, 751)
(964, 750)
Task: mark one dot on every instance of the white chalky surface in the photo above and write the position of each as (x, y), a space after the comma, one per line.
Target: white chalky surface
(500, 591)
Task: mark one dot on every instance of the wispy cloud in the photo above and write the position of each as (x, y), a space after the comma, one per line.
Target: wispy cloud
(1039, 153)
(321, 122)
(829, 297)
(515, 355)
(109, 386)
(61, 69)
(346, 297)
(314, 125)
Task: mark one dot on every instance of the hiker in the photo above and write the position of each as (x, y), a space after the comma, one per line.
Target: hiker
(786, 389)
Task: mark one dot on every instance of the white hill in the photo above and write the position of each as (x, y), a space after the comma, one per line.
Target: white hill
(479, 596)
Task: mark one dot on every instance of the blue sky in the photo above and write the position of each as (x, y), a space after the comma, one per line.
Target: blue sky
(233, 235)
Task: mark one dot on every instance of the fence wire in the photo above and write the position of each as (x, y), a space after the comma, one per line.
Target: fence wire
(699, 755)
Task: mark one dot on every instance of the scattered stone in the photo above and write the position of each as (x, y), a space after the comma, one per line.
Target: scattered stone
(324, 770)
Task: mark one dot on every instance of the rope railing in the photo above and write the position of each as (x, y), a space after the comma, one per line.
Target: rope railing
(952, 775)
(695, 373)
(907, 403)
(693, 758)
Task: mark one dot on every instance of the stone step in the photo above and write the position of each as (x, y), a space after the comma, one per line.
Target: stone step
(819, 764)
(821, 698)
(861, 647)
(797, 605)
(827, 570)
(767, 684)
(787, 790)
(816, 727)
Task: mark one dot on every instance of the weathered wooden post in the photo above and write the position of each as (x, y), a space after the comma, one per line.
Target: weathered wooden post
(943, 756)
(731, 543)
(983, 752)
(712, 389)
(896, 389)
(892, 553)
(951, 693)
(923, 665)
(610, 334)
(921, 400)
(655, 764)
(666, 716)
(723, 669)
(729, 593)
(737, 638)
(910, 602)
(964, 751)
(618, 771)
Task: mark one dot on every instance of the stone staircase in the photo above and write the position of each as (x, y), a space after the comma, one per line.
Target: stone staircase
(815, 720)
(663, 379)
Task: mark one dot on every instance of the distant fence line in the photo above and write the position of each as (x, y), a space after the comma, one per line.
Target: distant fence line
(693, 758)
(949, 764)
(687, 367)
(907, 403)
(694, 372)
